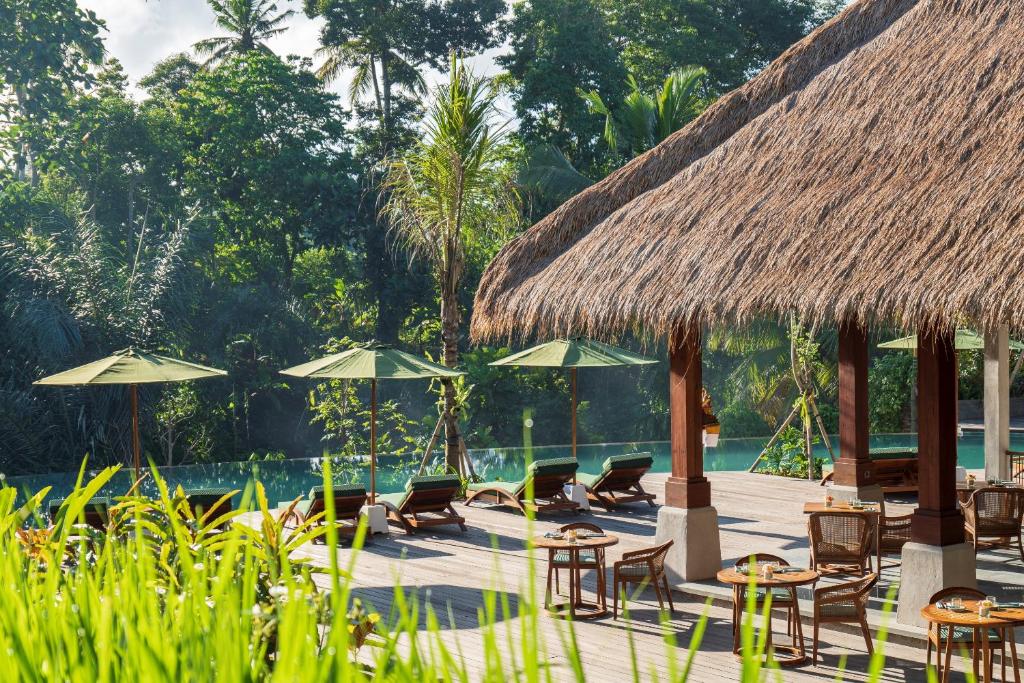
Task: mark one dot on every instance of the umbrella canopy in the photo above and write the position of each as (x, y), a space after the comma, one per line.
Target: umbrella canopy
(131, 367)
(965, 340)
(573, 354)
(373, 362)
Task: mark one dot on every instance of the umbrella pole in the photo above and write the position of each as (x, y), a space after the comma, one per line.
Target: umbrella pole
(373, 441)
(136, 444)
(572, 373)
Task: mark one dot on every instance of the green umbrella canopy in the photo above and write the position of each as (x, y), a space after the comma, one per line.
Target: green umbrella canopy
(965, 340)
(131, 366)
(574, 353)
(373, 361)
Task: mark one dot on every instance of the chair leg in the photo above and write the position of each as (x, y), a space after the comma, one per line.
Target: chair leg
(615, 597)
(867, 634)
(657, 591)
(668, 594)
(558, 583)
(814, 647)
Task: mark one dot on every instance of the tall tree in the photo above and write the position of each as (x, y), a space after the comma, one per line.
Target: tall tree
(46, 48)
(387, 41)
(450, 195)
(557, 47)
(249, 23)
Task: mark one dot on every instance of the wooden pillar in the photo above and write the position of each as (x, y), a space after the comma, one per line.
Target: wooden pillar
(687, 487)
(853, 468)
(937, 520)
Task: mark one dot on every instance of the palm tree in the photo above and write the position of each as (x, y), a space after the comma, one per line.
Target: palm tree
(249, 22)
(643, 120)
(451, 197)
(369, 72)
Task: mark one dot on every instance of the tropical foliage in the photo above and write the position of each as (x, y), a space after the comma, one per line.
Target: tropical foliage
(230, 209)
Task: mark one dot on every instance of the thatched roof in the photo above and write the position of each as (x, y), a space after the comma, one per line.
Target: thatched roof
(873, 172)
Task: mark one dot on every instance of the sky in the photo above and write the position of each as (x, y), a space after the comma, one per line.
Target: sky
(140, 33)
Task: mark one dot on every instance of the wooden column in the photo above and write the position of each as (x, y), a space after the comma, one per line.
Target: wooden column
(687, 487)
(853, 467)
(937, 520)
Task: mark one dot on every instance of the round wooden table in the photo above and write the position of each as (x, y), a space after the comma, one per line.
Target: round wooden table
(576, 608)
(795, 576)
(1000, 618)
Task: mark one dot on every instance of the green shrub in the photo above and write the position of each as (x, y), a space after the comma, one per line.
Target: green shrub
(786, 457)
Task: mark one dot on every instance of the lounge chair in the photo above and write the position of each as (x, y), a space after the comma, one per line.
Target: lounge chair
(548, 477)
(95, 513)
(895, 468)
(618, 481)
(427, 495)
(348, 502)
(208, 502)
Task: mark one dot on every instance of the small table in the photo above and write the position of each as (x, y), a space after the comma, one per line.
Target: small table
(873, 511)
(788, 579)
(1000, 618)
(576, 608)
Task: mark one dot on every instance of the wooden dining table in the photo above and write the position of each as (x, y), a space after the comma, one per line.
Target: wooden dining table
(1003, 619)
(788, 577)
(964, 492)
(576, 607)
(873, 512)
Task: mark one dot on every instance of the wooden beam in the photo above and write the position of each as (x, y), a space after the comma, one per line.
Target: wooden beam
(687, 487)
(854, 467)
(937, 520)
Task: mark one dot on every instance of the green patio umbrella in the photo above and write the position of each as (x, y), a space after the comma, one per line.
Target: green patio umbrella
(131, 367)
(964, 340)
(574, 354)
(373, 362)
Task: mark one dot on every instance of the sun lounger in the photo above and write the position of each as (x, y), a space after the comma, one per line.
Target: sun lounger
(548, 477)
(208, 502)
(95, 513)
(348, 501)
(619, 481)
(425, 502)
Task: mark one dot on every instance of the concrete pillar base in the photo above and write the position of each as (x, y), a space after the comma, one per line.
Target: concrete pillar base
(696, 553)
(927, 569)
(871, 493)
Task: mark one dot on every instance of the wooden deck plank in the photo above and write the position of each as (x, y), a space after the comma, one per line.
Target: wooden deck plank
(450, 570)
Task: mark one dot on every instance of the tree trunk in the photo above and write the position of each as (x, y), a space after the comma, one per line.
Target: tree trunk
(450, 349)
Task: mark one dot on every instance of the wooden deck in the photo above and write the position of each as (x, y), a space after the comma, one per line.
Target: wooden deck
(450, 570)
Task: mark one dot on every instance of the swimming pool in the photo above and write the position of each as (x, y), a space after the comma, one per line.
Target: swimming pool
(286, 479)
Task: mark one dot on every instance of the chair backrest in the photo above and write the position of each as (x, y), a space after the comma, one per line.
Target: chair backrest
(430, 492)
(202, 501)
(550, 475)
(95, 512)
(838, 532)
(759, 558)
(628, 461)
(957, 592)
(655, 556)
(997, 508)
(622, 472)
(347, 500)
(581, 526)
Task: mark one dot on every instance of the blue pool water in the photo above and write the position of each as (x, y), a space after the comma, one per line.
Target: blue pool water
(286, 479)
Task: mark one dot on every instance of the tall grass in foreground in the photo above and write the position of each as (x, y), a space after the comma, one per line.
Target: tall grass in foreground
(163, 596)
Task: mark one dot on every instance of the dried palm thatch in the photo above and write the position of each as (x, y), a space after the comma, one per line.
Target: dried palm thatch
(872, 173)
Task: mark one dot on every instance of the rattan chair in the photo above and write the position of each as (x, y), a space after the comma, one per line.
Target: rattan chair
(590, 558)
(782, 597)
(995, 513)
(894, 533)
(963, 636)
(843, 603)
(840, 541)
(642, 567)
